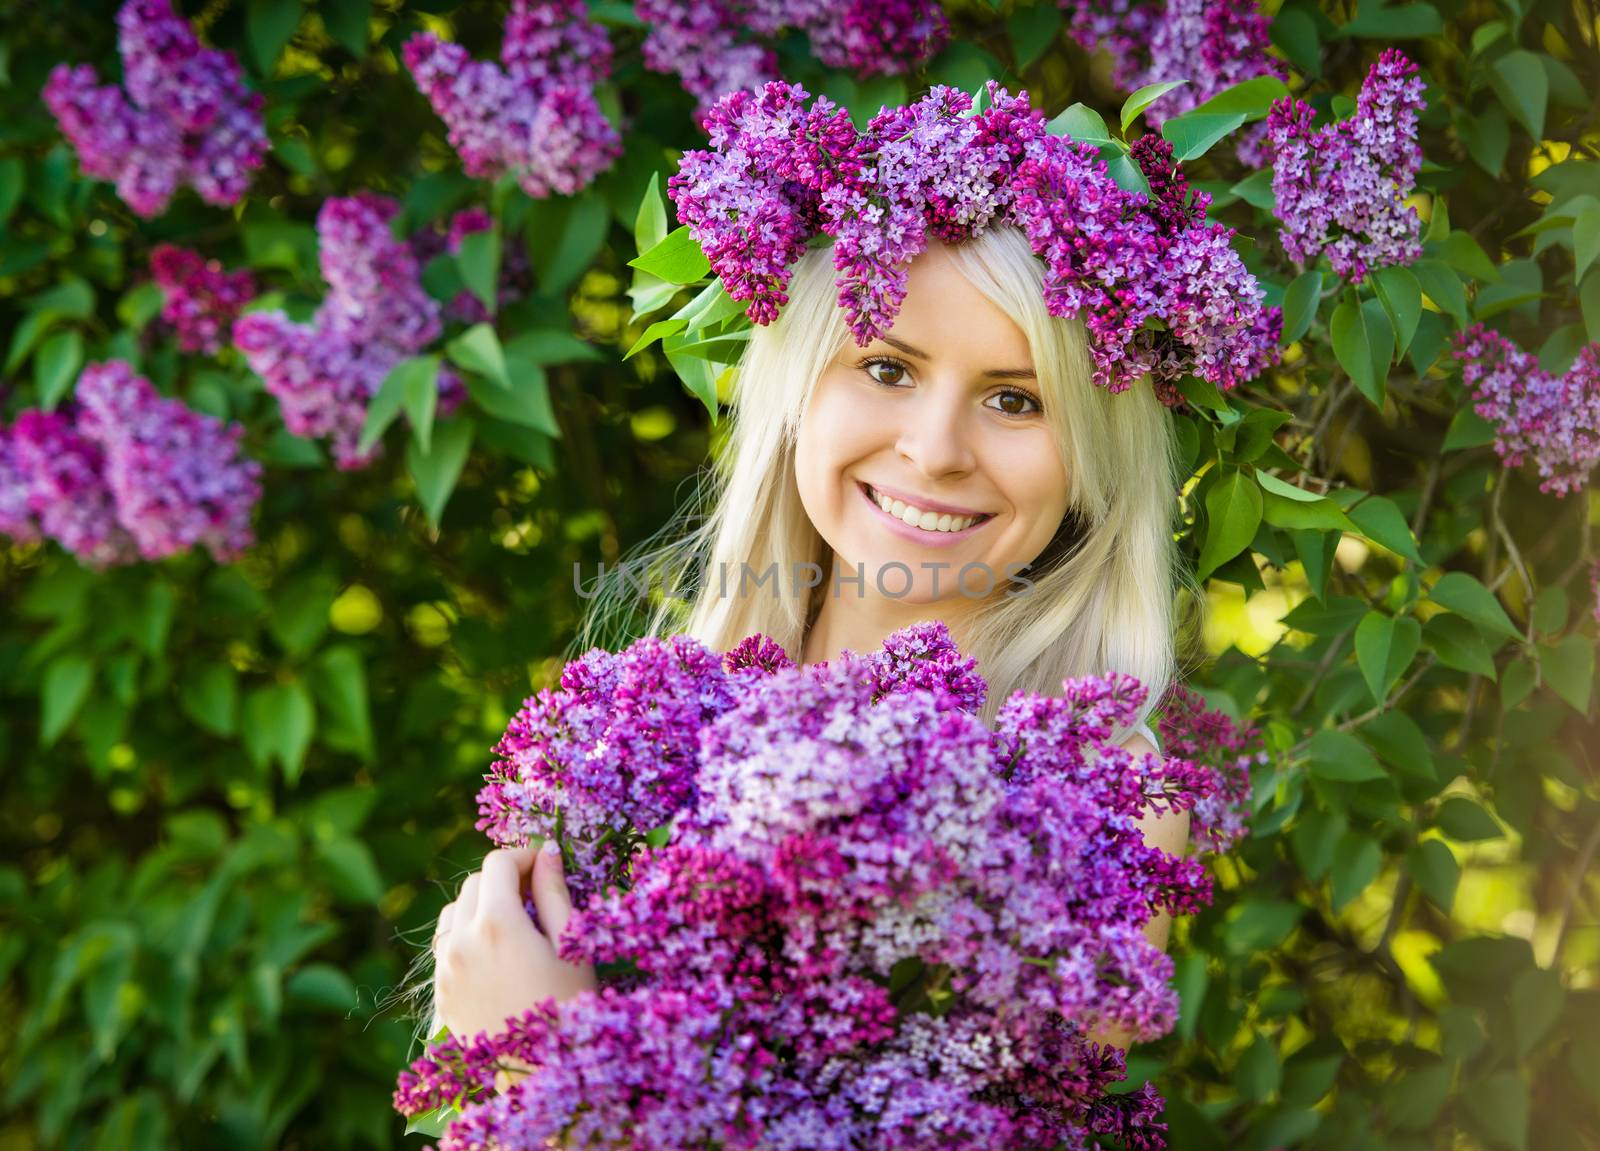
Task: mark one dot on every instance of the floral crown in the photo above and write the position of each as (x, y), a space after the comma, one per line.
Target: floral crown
(1159, 288)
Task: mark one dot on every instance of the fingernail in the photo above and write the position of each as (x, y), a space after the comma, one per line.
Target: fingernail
(551, 847)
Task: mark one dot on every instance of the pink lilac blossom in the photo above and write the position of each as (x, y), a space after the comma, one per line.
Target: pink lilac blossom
(1160, 289)
(873, 921)
(721, 46)
(200, 300)
(537, 117)
(1341, 189)
(183, 115)
(123, 473)
(1554, 421)
(375, 315)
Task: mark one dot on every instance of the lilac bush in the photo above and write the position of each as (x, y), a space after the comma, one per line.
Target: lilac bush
(125, 473)
(537, 117)
(869, 921)
(375, 315)
(1341, 189)
(1552, 421)
(183, 115)
(1160, 289)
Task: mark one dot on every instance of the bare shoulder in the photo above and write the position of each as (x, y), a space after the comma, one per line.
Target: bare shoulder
(1168, 831)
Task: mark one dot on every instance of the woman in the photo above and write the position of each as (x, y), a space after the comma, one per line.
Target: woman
(952, 409)
(956, 461)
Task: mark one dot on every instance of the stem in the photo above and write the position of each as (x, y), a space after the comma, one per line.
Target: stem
(1574, 889)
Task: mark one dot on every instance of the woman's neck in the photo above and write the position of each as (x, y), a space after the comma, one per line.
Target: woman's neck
(861, 624)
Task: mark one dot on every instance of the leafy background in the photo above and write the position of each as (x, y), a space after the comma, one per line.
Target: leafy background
(233, 798)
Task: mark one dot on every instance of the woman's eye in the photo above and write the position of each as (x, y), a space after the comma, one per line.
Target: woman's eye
(886, 371)
(1015, 403)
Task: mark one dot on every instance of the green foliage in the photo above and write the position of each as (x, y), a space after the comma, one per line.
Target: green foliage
(236, 797)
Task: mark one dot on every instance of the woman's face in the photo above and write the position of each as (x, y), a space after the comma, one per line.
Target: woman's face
(941, 421)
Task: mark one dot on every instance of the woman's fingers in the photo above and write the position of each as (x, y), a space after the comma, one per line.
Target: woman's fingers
(550, 895)
(467, 901)
(503, 873)
(443, 925)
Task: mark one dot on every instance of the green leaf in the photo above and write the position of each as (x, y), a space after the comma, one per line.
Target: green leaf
(1193, 134)
(1356, 862)
(1033, 32)
(527, 404)
(564, 236)
(1300, 305)
(209, 695)
(299, 617)
(1468, 430)
(436, 472)
(1443, 286)
(1458, 644)
(1497, 1109)
(1259, 1072)
(1401, 296)
(1465, 596)
(656, 331)
(56, 367)
(432, 1123)
(1385, 647)
(650, 223)
(1379, 520)
(1256, 190)
(677, 259)
(322, 985)
(1568, 667)
(392, 395)
(1374, 21)
(1252, 98)
(479, 261)
(340, 684)
(1585, 242)
(1316, 833)
(1465, 822)
(62, 690)
(1338, 755)
(140, 304)
(13, 179)
(1233, 513)
(1589, 301)
(1144, 97)
(1320, 515)
(347, 22)
(1461, 252)
(1261, 925)
(353, 871)
(1295, 34)
(278, 722)
(1434, 870)
(271, 23)
(1523, 85)
(1082, 123)
(1536, 1001)
(1359, 349)
(421, 400)
(1289, 491)
(478, 350)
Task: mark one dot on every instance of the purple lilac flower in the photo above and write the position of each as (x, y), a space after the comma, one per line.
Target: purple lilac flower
(1552, 420)
(1341, 189)
(186, 117)
(1194, 735)
(721, 46)
(516, 273)
(16, 516)
(177, 475)
(64, 475)
(847, 839)
(537, 117)
(200, 300)
(1159, 289)
(375, 315)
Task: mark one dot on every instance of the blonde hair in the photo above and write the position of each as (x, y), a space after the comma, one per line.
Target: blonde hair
(1104, 601)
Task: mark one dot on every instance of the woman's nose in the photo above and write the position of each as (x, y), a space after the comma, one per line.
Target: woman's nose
(935, 438)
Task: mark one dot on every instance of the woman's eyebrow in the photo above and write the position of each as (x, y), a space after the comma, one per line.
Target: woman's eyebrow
(995, 373)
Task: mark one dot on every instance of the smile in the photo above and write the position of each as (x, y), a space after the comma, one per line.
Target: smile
(924, 521)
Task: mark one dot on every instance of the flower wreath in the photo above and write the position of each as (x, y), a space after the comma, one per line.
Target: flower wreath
(1160, 288)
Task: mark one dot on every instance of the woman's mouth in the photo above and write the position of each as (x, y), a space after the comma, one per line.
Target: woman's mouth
(934, 524)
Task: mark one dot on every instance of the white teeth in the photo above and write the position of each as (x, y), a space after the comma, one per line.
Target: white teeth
(917, 518)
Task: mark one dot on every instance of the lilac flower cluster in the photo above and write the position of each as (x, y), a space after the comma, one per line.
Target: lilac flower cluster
(721, 46)
(125, 473)
(200, 300)
(537, 117)
(182, 116)
(1341, 189)
(1552, 420)
(873, 921)
(375, 315)
(1214, 45)
(1160, 289)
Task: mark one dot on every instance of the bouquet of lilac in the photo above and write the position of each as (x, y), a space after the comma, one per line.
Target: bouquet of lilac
(837, 910)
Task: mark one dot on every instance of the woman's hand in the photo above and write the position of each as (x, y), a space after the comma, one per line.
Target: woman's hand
(491, 961)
